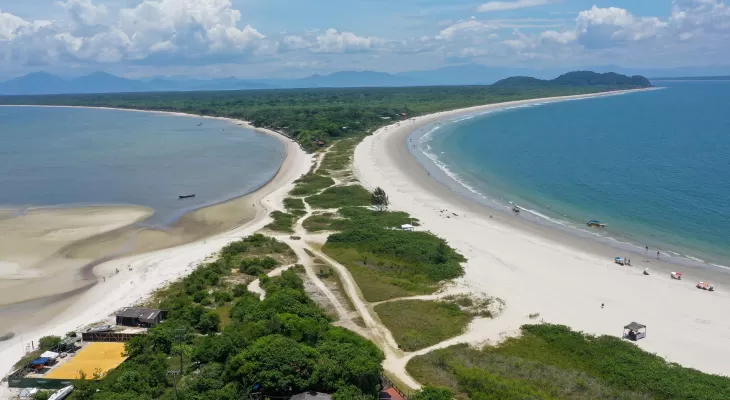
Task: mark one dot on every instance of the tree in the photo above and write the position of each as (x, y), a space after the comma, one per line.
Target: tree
(379, 199)
(433, 393)
(280, 365)
(209, 322)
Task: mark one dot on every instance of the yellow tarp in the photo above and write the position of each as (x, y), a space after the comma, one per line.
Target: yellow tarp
(93, 357)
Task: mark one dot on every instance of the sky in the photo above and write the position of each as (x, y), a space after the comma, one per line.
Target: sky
(294, 38)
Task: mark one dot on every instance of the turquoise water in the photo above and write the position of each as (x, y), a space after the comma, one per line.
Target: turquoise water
(654, 166)
(65, 157)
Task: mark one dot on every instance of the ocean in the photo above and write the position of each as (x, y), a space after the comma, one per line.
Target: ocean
(653, 166)
(74, 156)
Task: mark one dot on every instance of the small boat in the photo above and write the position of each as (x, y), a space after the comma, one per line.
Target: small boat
(186, 196)
(515, 209)
(595, 224)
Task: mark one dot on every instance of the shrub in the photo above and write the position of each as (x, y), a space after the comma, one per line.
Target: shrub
(48, 342)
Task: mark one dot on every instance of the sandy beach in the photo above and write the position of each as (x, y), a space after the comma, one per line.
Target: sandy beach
(54, 250)
(157, 256)
(538, 270)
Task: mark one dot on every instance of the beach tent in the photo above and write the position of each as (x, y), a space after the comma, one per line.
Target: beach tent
(40, 361)
(634, 331)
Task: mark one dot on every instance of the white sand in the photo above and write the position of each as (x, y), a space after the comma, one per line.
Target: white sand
(141, 274)
(538, 270)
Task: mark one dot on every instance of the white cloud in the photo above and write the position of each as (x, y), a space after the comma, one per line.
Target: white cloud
(466, 27)
(493, 6)
(332, 41)
(601, 27)
(294, 42)
(596, 29)
(84, 12)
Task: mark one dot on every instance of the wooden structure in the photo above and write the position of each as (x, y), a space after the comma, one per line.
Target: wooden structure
(634, 331)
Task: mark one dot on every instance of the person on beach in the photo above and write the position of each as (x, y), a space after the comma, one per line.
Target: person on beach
(602, 305)
(657, 254)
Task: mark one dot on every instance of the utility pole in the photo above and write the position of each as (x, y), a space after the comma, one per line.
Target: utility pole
(180, 337)
(174, 380)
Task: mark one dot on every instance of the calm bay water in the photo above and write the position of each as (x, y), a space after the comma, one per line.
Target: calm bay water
(65, 156)
(654, 166)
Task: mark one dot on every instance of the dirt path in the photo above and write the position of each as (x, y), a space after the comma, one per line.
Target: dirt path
(255, 285)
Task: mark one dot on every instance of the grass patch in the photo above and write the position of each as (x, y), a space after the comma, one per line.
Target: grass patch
(293, 203)
(283, 222)
(319, 222)
(310, 184)
(390, 263)
(340, 156)
(28, 358)
(417, 324)
(224, 312)
(554, 362)
(341, 196)
(357, 217)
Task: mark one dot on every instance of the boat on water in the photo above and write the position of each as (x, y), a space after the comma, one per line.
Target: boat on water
(595, 224)
(186, 196)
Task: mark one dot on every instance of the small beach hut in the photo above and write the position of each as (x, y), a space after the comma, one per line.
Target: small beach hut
(634, 331)
(407, 227)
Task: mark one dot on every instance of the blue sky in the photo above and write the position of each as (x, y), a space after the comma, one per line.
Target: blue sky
(287, 38)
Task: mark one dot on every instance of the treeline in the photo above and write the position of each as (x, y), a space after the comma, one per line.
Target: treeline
(309, 115)
(278, 346)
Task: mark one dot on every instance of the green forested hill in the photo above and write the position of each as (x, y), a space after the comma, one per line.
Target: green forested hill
(577, 79)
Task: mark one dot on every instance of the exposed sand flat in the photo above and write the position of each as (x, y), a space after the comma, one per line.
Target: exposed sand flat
(536, 269)
(204, 232)
(29, 244)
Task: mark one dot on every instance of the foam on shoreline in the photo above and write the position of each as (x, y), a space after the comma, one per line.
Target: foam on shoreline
(539, 269)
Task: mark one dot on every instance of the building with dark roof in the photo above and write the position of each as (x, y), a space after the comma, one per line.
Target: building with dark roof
(145, 317)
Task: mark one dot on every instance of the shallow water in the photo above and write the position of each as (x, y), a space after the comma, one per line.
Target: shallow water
(74, 156)
(653, 166)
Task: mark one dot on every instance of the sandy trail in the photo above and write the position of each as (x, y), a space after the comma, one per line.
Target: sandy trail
(538, 270)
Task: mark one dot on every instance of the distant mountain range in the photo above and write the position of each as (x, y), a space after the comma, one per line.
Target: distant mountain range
(469, 74)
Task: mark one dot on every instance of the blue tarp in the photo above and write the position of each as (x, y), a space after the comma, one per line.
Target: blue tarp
(40, 361)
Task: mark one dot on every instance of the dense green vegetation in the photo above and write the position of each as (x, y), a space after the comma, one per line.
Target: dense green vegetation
(341, 196)
(354, 217)
(293, 204)
(417, 324)
(389, 263)
(279, 346)
(310, 115)
(578, 79)
(310, 184)
(554, 362)
(340, 155)
(283, 222)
